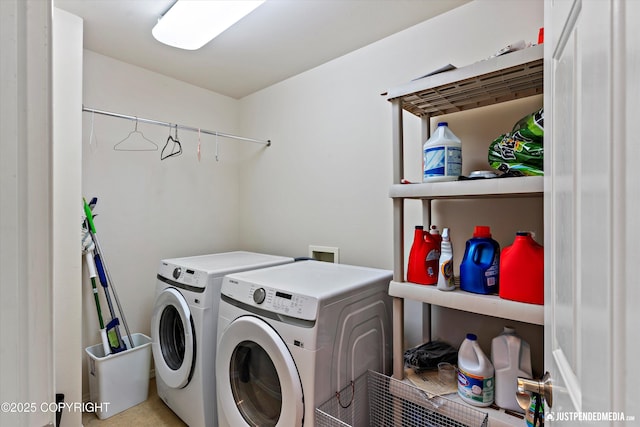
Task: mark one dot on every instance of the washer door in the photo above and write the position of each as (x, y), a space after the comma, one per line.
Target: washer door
(173, 339)
(257, 380)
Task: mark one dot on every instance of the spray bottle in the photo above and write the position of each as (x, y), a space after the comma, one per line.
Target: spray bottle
(445, 277)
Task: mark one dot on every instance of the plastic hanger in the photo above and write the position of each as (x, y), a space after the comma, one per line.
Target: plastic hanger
(217, 146)
(198, 151)
(176, 143)
(137, 142)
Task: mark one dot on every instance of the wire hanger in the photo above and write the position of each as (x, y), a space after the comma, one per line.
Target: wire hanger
(173, 151)
(144, 144)
(93, 140)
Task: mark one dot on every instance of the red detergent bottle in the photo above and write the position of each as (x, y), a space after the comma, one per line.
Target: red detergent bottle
(432, 258)
(522, 270)
(416, 272)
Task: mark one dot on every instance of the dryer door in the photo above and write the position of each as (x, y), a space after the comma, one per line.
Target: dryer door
(173, 339)
(257, 380)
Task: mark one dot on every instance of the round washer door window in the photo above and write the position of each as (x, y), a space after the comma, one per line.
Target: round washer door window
(257, 380)
(173, 340)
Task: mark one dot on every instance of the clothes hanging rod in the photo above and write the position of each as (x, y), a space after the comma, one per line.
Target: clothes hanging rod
(174, 125)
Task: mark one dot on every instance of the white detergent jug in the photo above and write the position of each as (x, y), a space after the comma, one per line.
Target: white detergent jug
(511, 357)
(442, 155)
(475, 373)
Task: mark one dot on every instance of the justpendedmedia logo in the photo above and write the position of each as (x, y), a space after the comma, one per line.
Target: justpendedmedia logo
(589, 416)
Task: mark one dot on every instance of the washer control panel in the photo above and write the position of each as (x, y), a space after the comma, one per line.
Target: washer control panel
(259, 295)
(270, 299)
(184, 275)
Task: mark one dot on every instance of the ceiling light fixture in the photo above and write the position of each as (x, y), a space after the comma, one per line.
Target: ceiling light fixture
(190, 24)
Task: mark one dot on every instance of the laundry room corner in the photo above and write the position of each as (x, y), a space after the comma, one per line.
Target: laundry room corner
(150, 209)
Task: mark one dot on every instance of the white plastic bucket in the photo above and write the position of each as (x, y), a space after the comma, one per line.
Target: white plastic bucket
(119, 381)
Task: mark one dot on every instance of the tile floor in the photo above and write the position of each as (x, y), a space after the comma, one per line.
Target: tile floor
(150, 413)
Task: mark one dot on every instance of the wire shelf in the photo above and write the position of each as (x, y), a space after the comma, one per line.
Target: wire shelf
(376, 400)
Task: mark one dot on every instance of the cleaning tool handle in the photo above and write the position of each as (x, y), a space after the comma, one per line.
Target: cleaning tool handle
(91, 266)
(89, 215)
(101, 274)
(102, 268)
(105, 342)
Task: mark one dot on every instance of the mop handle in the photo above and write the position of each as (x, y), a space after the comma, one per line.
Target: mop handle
(113, 289)
(92, 232)
(92, 275)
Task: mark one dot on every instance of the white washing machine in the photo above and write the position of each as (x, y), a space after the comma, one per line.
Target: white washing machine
(290, 336)
(184, 325)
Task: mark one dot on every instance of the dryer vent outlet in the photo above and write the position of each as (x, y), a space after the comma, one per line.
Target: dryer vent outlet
(325, 253)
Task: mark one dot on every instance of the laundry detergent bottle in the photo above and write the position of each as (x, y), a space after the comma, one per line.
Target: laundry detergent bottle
(442, 155)
(475, 373)
(479, 270)
(416, 270)
(511, 357)
(432, 258)
(522, 270)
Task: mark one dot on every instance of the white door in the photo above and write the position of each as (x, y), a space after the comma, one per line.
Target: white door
(591, 209)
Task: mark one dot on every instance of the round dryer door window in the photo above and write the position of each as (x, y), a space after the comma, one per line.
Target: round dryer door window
(173, 339)
(257, 380)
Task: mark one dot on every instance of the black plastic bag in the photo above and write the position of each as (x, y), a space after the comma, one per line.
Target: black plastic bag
(427, 356)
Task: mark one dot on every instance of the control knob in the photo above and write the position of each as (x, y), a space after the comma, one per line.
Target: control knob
(259, 295)
(176, 272)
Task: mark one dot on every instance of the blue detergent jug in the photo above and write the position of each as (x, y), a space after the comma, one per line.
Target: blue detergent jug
(479, 270)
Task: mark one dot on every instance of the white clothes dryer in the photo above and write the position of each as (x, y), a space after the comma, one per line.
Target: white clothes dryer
(290, 336)
(183, 329)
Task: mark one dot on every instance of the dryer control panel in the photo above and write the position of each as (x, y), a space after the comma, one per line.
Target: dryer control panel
(270, 299)
(183, 275)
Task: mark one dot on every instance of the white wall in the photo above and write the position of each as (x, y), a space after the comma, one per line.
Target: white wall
(325, 180)
(67, 157)
(150, 209)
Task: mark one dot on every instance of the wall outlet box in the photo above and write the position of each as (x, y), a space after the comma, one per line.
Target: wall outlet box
(324, 253)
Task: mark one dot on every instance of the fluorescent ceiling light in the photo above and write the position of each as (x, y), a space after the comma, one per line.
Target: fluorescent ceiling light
(190, 24)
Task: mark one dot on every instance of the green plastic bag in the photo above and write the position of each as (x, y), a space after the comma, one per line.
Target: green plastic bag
(530, 127)
(521, 151)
